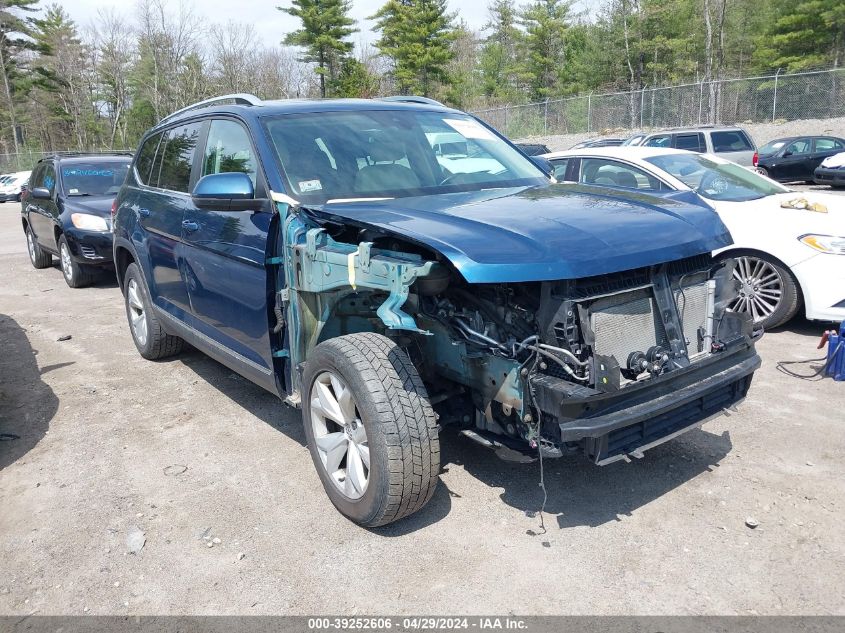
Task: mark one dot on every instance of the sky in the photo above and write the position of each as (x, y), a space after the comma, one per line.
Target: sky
(270, 24)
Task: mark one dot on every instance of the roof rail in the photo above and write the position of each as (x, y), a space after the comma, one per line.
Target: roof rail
(240, 98)
(72, 153)
(413, 99)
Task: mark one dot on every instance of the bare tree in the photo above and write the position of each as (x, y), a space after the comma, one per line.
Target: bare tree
(114, 41)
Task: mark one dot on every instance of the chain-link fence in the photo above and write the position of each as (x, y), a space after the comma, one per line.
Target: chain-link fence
(807, 95)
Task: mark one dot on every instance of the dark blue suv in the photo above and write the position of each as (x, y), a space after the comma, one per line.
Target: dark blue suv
(66, 211)
(395, 266)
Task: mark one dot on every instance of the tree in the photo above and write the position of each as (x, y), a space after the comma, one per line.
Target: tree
(498, 57)
(14, 30)
(325, 26)
(114, 42)
(354, 80)
(804, 34)
(546, 23)
(417, 36)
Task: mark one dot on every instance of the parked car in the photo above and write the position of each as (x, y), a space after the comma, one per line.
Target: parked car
(796, 157)
(10, 189)
(67, 212)
(532, 149)
(788, 251)
(729, 142)
(831, 171)
(321, 250)
(601, 141)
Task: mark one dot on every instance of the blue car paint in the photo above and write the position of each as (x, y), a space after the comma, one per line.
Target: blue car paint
(545, 233)
(516, 235)
(233, 185)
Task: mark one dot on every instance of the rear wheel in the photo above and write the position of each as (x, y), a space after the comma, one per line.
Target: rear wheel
(39, 258)
(767, 290)
(152, 341)
(370, 428)
(75, 275)
(762, 171)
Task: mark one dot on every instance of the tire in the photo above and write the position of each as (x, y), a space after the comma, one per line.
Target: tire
(387, 399)
(39, 258)
(75, 275)
(762, 171)
(758, 272)
(152, 341)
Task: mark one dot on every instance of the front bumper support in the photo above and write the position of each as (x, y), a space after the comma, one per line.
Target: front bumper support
(620, 424)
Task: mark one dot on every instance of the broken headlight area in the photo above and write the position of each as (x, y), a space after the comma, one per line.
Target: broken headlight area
(579, 364)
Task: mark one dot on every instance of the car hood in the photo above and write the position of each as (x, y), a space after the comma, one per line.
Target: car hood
(547, 232)
(780, 213)
(95, 205)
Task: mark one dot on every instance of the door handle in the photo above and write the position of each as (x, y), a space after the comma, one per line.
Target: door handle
(144, 213)
(190, 226)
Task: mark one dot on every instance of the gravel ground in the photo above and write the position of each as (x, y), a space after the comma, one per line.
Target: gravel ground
(761, 132)
(214, 472)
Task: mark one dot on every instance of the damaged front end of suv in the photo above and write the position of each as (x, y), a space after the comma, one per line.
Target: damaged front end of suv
(599, 339)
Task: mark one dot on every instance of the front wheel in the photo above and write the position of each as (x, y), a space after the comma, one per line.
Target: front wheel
(75, 275)
(370, 428)
(767, 290)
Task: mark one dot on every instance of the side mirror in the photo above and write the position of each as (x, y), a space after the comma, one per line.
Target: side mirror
(544, 165)
(40, 193)
(787, 153)
(232, 191)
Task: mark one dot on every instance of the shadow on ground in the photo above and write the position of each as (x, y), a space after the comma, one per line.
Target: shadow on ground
(579, 493)
(27, 403)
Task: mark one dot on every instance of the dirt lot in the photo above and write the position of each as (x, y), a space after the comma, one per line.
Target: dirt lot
(105, 436)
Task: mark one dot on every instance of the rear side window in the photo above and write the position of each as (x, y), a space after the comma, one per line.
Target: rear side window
(228, 149)
(691, 142)
(730, 141)
(559, 168)
(177, 158)
(146, 155)
(827, 144)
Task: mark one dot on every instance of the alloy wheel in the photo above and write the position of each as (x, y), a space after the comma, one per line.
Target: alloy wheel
(30, 245)
(761, 288)
(137, 318)
(339, 435)
(67, 264)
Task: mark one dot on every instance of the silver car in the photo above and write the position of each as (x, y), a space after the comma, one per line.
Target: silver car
(729, 142)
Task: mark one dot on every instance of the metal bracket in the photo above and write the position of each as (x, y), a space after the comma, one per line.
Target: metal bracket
(333, 265)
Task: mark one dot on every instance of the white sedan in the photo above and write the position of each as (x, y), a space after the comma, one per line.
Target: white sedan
(789, 246)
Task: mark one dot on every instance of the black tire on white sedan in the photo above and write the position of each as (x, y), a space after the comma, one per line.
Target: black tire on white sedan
(370, 428)
(768, 291)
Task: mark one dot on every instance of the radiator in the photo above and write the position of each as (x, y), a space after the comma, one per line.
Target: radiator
(626, 323)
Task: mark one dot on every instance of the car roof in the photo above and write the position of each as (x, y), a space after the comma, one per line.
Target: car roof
(622, 152)
(300, 106)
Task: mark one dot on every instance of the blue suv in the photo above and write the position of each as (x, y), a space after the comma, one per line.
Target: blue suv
(394, 266)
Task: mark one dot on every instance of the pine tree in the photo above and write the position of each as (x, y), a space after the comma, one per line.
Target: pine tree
(354, 80)
(325, 26)
(546, 23)
(499, 52)
(14, 29)
(417, 36)
(804, 34)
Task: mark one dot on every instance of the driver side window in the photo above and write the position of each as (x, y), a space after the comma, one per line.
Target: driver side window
(798, 147)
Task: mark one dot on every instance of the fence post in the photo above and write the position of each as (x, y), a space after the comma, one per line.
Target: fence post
(775, 98)
(700, 101)
(546, 117)
(589, 111)
(642, 105)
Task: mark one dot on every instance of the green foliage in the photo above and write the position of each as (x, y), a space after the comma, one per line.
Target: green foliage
(498, 60)
(354, 80)
(543, 46)
(417, 36)
(325, 26)
(803, 35)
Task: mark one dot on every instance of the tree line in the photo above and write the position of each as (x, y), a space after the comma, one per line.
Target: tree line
(101, 85)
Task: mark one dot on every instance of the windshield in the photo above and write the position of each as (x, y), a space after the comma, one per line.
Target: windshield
(331, 156)
(771, 147)
(722, 180)
(93, 179)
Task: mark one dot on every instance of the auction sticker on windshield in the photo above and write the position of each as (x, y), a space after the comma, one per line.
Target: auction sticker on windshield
(469, 129)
